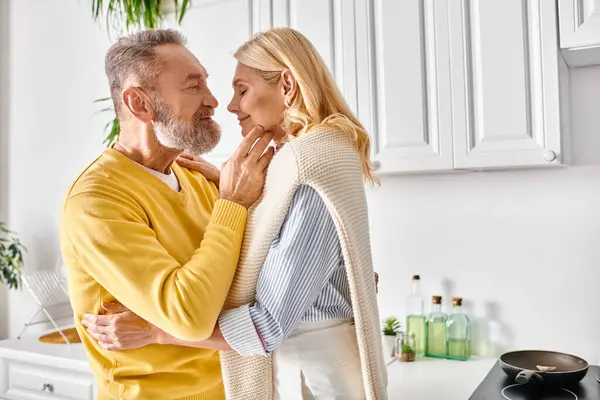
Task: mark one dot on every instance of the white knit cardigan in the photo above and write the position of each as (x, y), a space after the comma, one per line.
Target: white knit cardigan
(327, 161)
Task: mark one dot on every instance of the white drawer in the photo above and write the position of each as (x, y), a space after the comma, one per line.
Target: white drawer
(25, 381)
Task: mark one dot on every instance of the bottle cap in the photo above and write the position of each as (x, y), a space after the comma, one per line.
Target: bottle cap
(457, 301)
(416, 278)
(437, 299)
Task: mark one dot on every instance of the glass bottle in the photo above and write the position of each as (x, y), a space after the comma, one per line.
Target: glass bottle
(415, 319)
(435, 344)
(458, 333)
(404, 347)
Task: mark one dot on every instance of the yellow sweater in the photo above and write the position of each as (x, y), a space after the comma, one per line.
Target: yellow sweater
(168, 256)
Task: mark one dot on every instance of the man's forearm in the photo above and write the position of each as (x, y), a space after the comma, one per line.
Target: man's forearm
(214, 342)
(182, 299)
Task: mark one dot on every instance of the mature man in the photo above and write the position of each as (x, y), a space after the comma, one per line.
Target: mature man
(139, 229)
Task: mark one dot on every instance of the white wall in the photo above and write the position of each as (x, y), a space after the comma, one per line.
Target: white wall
(519, 246)
(4, 21)
(57, 71)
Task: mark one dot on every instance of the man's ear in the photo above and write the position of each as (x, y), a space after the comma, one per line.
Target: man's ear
(138, 103)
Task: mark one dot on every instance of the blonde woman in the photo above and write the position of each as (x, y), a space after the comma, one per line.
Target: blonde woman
(301, 319)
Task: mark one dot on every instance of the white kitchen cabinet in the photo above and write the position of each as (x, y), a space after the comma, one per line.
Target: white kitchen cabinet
(33, 370)
(458, 84)
(400, 90)
(506, 84)
(408, 90)
(580, 31)
(463, 84)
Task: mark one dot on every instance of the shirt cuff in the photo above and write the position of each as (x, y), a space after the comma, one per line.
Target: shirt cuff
(239, 332)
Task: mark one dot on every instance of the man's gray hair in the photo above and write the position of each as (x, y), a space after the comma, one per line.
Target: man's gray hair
(133, 56)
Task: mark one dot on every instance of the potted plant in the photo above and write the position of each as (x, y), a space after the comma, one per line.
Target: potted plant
(389, 328)
(11, 258)
(122, 15)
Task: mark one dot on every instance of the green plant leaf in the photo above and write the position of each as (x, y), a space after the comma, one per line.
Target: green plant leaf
(184, 7)
(176, 2)
(102, 99)
(113, 135)
(390, 326)
(139, 14)
(11, 259)
(96, 7)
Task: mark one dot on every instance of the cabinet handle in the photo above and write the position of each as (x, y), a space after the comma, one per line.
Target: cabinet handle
(47, 387)
(549, 155)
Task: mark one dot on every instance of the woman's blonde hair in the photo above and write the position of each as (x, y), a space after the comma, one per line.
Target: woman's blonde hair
(318, 101)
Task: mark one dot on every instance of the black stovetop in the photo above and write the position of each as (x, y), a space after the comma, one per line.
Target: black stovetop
(497, 386)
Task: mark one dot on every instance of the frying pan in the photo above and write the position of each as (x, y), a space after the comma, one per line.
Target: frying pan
(522, 366)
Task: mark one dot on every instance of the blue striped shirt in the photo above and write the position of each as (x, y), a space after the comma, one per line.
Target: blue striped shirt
(302, 280)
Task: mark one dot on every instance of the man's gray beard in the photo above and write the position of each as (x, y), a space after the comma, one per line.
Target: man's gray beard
(198, 137)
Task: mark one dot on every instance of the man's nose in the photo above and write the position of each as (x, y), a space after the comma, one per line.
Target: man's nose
(210, 100)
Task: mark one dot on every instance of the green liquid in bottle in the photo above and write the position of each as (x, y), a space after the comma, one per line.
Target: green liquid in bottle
(459, 349)
(416, 324)
(435, 343)
(458, 333)
(436, 338)
(415, 320)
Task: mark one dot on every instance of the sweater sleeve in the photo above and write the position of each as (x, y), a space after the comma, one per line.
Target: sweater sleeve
(112, 241)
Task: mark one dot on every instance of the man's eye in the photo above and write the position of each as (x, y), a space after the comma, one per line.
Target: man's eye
(243, 92)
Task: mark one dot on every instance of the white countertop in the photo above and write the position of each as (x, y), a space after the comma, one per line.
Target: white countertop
(423, 379)
(435, 379)
(53, 355)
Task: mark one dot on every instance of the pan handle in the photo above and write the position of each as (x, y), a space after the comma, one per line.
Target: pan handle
(526, 376)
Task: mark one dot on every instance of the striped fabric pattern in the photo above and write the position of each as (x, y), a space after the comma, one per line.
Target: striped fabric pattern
(303, 280)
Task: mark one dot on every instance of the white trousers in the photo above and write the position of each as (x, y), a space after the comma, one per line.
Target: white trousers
(319, 361)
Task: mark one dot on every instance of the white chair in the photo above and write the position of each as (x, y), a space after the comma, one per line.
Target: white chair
(49, 290)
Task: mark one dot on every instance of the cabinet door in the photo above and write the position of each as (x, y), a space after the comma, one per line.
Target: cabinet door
(214, 31)
(505, 83)
(579, 23)
(392, 68)
(329, 25)
(404, 83)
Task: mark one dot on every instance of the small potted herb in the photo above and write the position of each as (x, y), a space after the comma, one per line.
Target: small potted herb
(389, 328)
(406, 354)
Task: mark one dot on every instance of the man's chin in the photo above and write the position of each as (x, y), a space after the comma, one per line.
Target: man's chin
(206, 149)
(211, 136)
